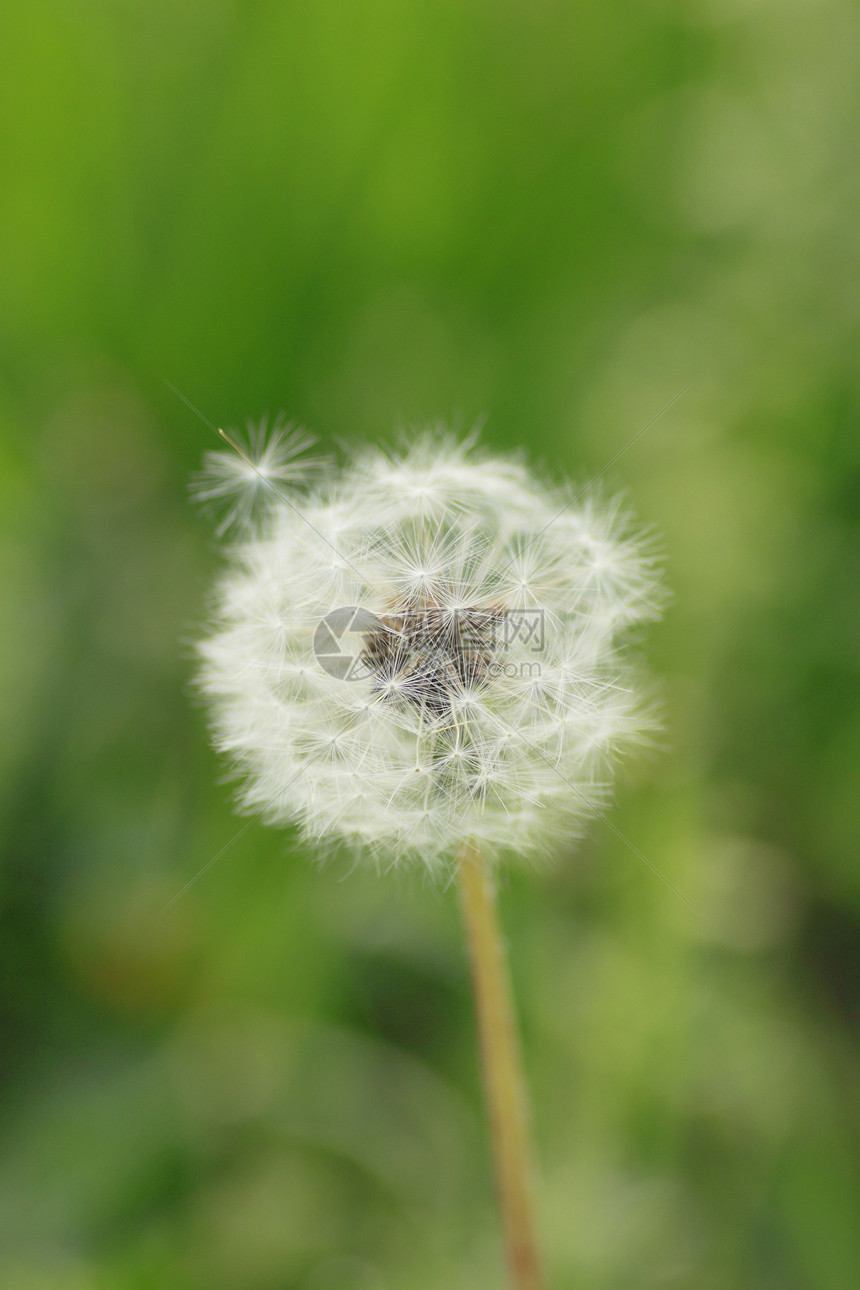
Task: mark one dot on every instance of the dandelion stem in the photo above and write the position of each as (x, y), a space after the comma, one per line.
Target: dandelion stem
(500, 1058)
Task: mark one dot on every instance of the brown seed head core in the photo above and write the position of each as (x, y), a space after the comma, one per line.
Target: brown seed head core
(431, 655)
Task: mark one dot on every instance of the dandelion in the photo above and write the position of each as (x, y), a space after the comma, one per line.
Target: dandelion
(421, 648)
(420, 656)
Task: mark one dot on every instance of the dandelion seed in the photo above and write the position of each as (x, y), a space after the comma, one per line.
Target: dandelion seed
(233, 482)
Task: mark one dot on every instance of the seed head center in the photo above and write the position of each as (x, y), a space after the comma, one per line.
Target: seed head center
(431, 655)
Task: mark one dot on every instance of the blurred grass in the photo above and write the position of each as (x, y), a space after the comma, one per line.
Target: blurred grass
(373, 214)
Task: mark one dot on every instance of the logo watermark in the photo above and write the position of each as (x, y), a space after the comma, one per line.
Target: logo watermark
(340, 641)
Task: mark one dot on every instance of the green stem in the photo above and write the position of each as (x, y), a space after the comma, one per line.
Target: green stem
(502, 1069)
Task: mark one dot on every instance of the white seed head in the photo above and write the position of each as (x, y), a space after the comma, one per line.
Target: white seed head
(422, 647)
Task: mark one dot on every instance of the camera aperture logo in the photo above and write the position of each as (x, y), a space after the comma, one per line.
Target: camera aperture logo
(467, 642)
(339, 641)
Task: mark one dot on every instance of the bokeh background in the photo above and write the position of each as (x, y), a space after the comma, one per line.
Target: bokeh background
(368, 215)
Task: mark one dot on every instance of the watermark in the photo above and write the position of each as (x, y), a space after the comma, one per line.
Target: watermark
(525, 670)
(353, 643)
(340, 642)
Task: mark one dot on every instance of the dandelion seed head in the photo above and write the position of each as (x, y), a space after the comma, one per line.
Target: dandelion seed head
(421, 646)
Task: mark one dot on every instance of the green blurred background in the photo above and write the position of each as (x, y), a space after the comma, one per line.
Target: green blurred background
(370, 214)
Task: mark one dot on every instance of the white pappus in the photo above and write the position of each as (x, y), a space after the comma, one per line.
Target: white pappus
(421, 647)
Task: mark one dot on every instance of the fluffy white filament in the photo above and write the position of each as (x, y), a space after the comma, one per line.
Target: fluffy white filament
(466, 680)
